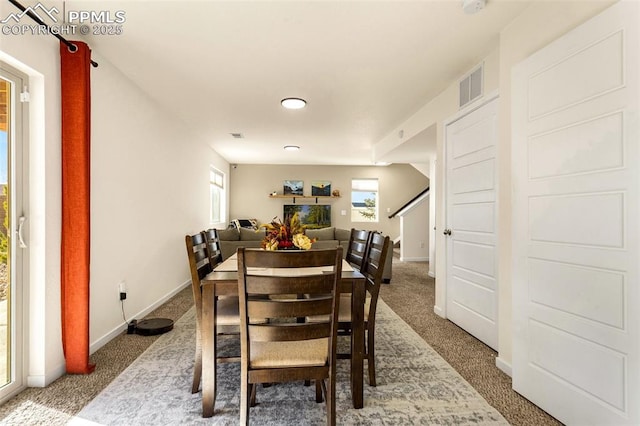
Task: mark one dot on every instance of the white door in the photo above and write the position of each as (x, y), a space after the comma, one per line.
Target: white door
(575, 162)
(471, 176)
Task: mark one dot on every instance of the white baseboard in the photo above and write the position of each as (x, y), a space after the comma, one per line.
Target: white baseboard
(44, 380)
(438, 311)
(122, 327)
(503, 366)
(431, 274)
(414, 259)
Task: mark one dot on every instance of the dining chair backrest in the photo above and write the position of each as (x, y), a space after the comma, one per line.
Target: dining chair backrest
(213, 246)
(270, 285)
(374, 265)
(357, 248)
(199, 266)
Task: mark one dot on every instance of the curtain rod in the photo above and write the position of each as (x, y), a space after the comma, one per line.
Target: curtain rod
(72, 47)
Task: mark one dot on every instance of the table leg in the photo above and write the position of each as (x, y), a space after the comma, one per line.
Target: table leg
(208, 339)
(357, 344)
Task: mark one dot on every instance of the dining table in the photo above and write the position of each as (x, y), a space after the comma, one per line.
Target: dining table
(223, 281)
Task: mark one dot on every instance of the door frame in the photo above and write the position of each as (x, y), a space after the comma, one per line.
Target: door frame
(18, 177)
(477, 104)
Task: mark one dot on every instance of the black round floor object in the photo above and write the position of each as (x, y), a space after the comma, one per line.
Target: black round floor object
(153, 326)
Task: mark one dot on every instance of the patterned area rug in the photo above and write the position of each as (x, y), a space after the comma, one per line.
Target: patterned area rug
(415, 386)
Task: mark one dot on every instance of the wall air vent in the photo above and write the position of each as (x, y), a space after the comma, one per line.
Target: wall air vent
(471, 86)
(237, 135)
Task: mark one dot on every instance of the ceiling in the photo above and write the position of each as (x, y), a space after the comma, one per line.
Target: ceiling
(364, 67)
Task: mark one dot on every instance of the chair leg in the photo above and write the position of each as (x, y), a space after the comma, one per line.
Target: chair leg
(197, 366)
(331, 402)
(319, 390)
(253, 394)
(371, 357)
(245, 396)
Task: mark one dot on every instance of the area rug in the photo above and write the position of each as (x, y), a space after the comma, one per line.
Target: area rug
(415, 387)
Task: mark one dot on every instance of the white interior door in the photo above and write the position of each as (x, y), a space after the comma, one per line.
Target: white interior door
(575, 162)
(472, 287)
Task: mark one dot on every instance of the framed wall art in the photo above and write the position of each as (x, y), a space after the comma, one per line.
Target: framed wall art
(293, 187)
(313, 216)
(321, 188)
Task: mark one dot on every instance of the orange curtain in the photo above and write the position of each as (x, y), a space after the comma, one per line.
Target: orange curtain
(76, 149)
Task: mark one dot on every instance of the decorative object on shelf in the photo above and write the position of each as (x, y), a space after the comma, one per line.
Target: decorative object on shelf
(293, 187)
(336, 193)
(312, 216)
(287, 235)
(320, 188)
(274, 193)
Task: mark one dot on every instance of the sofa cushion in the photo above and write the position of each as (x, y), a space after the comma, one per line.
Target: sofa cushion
(251, 235)
(228, 234)
(343, 234)
(326, 244)
(321, 234)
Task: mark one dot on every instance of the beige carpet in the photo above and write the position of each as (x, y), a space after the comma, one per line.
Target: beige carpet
(410, 295)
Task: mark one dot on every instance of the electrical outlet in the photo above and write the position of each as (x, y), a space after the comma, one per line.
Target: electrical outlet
(122, 290)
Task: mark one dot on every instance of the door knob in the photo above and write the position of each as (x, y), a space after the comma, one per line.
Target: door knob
(447, 231)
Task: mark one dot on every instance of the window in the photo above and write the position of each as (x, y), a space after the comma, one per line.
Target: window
(364, 200)
(216, 190)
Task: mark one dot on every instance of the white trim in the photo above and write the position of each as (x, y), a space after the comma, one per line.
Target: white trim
(414, 259)
(44, 380)
(439, 311)
(477, 104)
(119, 329)
(431, 274)
(503, 366)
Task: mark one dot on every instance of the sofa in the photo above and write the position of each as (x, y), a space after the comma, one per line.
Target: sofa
(232, 238)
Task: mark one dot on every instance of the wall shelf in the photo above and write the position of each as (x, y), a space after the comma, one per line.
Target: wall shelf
(305, 197)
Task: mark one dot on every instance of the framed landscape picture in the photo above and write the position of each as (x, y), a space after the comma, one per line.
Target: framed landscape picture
(313, 216)
(320, 188)
(293, 187)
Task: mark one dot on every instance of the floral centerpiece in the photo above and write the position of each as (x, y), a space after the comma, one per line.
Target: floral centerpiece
(286, 235)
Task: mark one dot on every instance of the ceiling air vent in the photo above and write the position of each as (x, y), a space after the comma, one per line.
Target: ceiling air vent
(237, 135)
(471, 86)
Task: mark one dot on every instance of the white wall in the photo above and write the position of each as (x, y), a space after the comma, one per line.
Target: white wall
(149, 184)
(432, 218)
(414, 228)
(251, 185)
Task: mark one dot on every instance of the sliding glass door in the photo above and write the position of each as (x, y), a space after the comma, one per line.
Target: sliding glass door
(13, 99)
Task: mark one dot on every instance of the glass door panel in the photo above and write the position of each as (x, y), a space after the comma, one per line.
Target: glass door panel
(5, 288)
(12, 170)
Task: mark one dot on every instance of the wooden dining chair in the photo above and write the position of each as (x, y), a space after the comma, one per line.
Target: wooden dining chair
(227, 309)
(283, 349)
(357, 248)
(372, 269)
(213, 246)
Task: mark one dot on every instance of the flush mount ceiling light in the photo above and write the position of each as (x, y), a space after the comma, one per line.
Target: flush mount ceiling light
(291, 147)
(472, 6)
(293, 103)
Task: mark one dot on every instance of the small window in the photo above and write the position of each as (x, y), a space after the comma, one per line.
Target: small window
(216, 190)
(364, 200)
